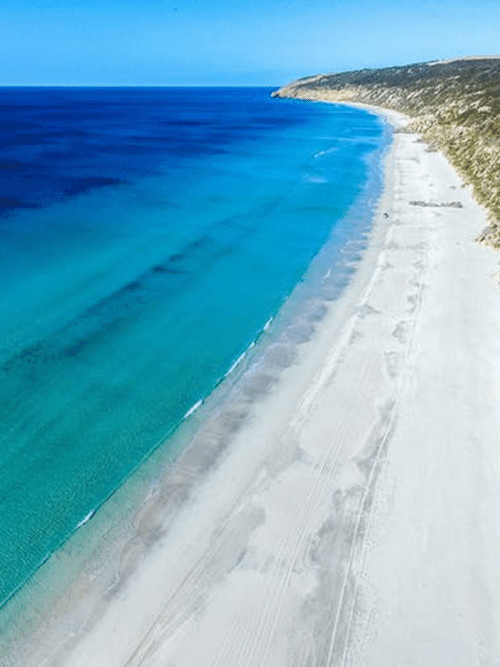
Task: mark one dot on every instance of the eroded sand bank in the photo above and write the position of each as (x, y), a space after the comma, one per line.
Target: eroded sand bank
(355, 518)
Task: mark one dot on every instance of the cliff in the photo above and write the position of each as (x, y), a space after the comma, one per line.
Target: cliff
(454, 105)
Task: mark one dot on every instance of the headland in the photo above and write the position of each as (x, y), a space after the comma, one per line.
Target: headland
(453, 104)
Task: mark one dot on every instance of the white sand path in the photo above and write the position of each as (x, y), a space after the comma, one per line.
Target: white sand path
(355, 521)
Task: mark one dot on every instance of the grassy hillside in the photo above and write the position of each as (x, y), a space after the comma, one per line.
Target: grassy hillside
(454, 104)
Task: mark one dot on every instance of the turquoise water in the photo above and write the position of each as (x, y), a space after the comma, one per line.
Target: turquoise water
(136, 274)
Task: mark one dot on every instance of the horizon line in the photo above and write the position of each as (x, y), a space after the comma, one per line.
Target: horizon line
(134, 85)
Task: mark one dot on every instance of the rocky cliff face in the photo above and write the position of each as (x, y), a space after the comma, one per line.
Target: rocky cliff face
(454, 104)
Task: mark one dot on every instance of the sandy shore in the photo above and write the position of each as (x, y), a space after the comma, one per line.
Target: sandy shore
(354, 519)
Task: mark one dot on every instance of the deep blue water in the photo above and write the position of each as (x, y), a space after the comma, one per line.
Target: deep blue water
(146, 237)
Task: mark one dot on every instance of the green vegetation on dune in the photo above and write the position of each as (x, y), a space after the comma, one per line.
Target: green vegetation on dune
(454, 105)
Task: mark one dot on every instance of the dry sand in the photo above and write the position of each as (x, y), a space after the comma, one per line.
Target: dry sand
(354, 521)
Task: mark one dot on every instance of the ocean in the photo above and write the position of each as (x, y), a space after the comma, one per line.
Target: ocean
(149, 238)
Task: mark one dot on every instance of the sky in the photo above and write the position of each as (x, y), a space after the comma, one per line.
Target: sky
(231, 42)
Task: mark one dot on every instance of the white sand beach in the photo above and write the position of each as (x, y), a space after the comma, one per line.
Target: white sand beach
(355, 518)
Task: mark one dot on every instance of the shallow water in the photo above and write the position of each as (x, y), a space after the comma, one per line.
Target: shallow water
(148, 237)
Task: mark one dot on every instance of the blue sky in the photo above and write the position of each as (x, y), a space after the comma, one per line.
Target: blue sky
(231, 42)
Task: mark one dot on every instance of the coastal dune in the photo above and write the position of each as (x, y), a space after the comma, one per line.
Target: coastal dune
(354, 518)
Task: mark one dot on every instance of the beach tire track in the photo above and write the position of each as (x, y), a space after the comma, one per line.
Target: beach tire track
(255, 647)
(363, 512)
(365, 507)
(296, 541)
(259, 635)
(184, 602)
